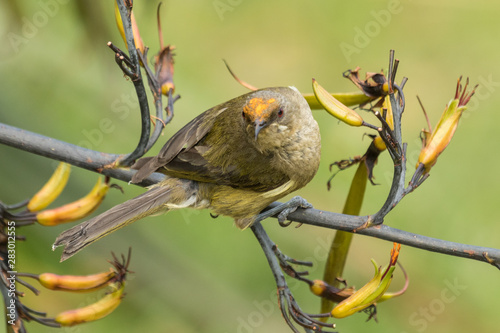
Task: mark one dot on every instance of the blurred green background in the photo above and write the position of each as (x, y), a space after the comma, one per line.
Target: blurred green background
(197, 274)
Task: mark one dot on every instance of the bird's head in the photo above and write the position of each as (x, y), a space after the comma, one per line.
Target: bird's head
(260, 112)
(272, 115)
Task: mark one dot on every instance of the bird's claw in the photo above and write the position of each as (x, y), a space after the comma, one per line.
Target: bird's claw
(291, 206)
(283, 210)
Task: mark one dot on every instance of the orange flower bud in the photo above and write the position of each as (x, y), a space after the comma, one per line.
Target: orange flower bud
(435, 143)
(164, 62)
(76, 283)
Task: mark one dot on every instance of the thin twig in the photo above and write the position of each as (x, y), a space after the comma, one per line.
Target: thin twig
(243, 83)
(425, 114)
(286, 301)
(139, 89)
(154, 85)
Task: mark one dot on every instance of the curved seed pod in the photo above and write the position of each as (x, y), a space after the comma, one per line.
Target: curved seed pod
(94, 311)
(74, 210)
(335, 108)
(51, 190)
(76, 283)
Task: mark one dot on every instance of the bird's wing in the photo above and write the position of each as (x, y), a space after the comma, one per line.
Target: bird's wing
(185, 139)
(190, 154)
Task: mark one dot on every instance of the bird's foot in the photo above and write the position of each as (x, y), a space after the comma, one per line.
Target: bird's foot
(283, 210)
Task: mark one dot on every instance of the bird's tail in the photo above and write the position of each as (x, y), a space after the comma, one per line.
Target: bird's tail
(171, 193)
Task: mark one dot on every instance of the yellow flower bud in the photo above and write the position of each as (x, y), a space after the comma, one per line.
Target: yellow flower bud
(389, 116)
(74, 210)
(371, 292)
(322, 289)
(94, 311)
(349, 98)
(335, 108)
(51, 190)
(379, 144)
(135, 30)
(318, 287)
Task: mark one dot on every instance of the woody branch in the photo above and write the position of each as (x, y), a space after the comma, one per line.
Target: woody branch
(93, 160)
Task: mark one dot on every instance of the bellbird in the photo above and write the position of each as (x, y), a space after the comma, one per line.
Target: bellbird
(234, 159)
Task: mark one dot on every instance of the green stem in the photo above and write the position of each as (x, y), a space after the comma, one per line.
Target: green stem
(339, 249)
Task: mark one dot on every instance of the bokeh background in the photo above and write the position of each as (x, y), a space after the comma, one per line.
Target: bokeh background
(198, 274)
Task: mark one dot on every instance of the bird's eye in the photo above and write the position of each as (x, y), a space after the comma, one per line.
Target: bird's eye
(243, 115)
(280, 113)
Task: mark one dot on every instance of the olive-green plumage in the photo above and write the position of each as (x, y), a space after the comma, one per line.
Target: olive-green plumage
(234, 159)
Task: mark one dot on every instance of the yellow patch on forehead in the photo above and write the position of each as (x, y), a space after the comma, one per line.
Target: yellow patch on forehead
(258, 107)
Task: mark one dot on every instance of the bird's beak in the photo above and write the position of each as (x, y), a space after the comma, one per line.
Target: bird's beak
(259, 124)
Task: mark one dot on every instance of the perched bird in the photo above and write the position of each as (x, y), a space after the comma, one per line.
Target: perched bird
(234, 159)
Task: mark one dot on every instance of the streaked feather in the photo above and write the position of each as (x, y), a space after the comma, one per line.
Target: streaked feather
(153, 201)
